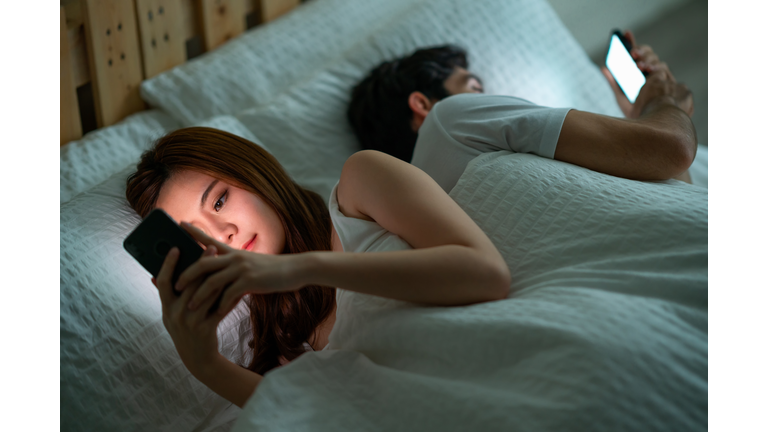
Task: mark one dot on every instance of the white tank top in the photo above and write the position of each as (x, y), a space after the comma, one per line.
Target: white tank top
(358, 235)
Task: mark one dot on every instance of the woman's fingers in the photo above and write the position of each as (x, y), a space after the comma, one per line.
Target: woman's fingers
(179, 307)
(164, 277)
(214, 285)
(200, 236)
(201, 268)
(232, 296)
(204, 315)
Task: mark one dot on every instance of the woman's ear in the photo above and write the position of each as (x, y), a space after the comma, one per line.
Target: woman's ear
(420, 104)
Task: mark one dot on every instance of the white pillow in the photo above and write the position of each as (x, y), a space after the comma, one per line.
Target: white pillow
(517, 47)
(119, 368)
(265, 61)
(99, 154)
(306, 130)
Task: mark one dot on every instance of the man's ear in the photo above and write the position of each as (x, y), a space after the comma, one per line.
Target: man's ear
(420, 104)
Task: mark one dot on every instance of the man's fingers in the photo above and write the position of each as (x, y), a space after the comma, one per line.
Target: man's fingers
(609, 77)
(631, 37)
(621, 98)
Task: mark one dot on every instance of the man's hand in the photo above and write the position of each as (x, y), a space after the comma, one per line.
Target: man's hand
(660, 83)
(657, 141)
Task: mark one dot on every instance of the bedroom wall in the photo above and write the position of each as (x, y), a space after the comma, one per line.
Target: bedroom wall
(676, 29)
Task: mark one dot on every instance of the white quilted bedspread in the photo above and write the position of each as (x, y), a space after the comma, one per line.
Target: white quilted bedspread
(606, 330)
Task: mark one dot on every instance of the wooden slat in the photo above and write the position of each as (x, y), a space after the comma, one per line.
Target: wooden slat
(161, 35)
(191, 22)
(78, 53)
(69, 112)
(271, 9)
(222, 20)
(73, 12)
(114, 58)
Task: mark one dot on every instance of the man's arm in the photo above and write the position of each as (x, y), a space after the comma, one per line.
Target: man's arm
(659, 145)
(657, 141)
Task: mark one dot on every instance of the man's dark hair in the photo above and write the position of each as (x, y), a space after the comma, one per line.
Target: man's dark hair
(379, 113)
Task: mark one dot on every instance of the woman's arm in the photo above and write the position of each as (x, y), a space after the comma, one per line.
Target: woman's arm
(453, 261)
(230, 381)
(194, 335)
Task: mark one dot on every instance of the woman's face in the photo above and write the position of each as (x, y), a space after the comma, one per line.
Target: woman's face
(225, 212)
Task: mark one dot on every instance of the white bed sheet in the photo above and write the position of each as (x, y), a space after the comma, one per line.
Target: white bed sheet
(607, 329)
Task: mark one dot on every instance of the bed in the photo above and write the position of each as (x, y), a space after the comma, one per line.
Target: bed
(607, 329)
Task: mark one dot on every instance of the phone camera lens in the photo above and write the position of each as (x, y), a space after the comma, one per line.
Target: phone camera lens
(162, 247)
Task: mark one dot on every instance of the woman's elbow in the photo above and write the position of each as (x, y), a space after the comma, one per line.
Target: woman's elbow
(500, 280)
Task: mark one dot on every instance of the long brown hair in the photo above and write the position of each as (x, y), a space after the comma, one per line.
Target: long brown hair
(280, 322)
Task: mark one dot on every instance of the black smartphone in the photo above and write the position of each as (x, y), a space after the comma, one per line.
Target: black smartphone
(622, 66)
(150, 242)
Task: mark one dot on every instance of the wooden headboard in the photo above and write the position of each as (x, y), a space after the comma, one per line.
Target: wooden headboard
(108, 47)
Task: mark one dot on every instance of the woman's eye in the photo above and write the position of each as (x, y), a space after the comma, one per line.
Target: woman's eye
(220, 202)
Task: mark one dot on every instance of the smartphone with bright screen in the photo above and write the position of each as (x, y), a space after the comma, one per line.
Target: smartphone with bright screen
(624, 69)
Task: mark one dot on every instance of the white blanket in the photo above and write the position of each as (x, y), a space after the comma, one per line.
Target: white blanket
(606, 330)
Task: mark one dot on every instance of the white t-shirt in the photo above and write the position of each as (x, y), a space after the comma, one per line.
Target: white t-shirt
(461, 127)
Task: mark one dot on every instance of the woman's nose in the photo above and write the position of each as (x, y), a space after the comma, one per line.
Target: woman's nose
(226, 232)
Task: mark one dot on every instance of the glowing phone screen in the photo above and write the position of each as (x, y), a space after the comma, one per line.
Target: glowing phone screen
(624, 69)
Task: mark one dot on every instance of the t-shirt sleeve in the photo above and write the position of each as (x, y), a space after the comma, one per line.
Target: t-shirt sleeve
(490, 123)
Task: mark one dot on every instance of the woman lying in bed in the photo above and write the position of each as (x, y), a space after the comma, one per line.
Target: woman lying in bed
(268, 237)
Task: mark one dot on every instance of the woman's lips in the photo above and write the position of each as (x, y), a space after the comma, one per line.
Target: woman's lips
(249, 244)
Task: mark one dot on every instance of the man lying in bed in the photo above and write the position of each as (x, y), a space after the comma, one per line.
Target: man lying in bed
(403, 108)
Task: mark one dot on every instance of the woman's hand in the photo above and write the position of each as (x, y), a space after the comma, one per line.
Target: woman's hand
(193, 332)
(236, 273)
